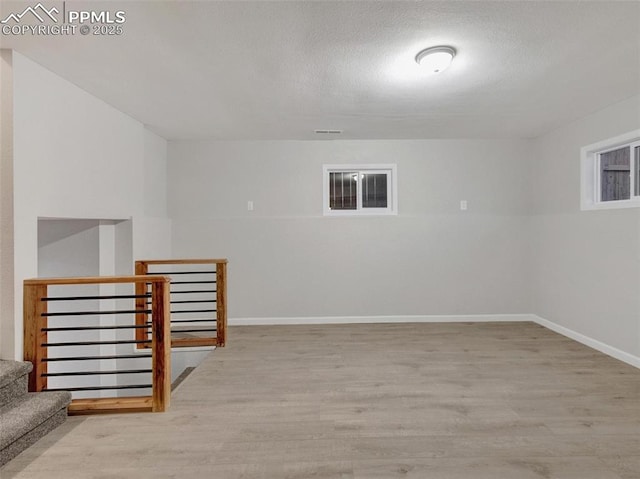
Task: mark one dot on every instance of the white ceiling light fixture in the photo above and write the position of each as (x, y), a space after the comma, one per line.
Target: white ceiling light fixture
(436, 59)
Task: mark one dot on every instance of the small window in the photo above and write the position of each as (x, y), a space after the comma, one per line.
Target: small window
(359, 190)
(611, 173)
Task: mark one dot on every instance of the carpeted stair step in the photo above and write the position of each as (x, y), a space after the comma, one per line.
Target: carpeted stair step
(27, 419)
(13, 380)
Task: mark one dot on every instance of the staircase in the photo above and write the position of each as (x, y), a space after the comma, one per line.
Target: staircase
(25, 417)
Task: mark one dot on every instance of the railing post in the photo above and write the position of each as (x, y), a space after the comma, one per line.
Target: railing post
(161, 345)
(141, 269)
(221, 303)
(34, 337)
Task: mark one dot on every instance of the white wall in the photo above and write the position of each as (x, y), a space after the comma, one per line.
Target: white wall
(77, 157)
(7, 326)
(68, 248)
(155, 175)
(152, 231)
(586, 264)
(287, 260)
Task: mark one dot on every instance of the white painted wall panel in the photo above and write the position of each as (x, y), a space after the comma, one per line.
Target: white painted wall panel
(286, 259)
(586, 264)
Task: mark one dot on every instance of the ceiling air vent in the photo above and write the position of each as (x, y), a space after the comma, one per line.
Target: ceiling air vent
(328, 132)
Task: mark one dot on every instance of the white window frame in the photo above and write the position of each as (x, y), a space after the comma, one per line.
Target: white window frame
(590, 184)
(392, 189)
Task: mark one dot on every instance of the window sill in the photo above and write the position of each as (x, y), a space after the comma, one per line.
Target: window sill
(611, 205)
(351, 214)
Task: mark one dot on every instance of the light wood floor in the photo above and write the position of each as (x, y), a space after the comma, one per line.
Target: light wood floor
(433, 401)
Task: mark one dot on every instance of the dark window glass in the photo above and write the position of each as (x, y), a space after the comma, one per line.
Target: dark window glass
(637, 155)
(343, 190)
(374, 190)
(615, 174)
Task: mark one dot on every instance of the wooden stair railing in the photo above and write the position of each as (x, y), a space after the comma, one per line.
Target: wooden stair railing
(198, 300)
(78, 331)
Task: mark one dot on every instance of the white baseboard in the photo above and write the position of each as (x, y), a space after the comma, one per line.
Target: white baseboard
(446, 318)
(192, 349)
(438, 318)
(587, 341)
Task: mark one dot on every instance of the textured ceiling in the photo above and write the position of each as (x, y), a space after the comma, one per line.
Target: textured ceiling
(279, 70)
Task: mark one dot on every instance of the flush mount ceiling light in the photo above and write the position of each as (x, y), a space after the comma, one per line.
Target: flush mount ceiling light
(436, 59)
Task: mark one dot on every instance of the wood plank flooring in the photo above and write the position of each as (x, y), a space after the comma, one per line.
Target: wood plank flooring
(433, 401)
